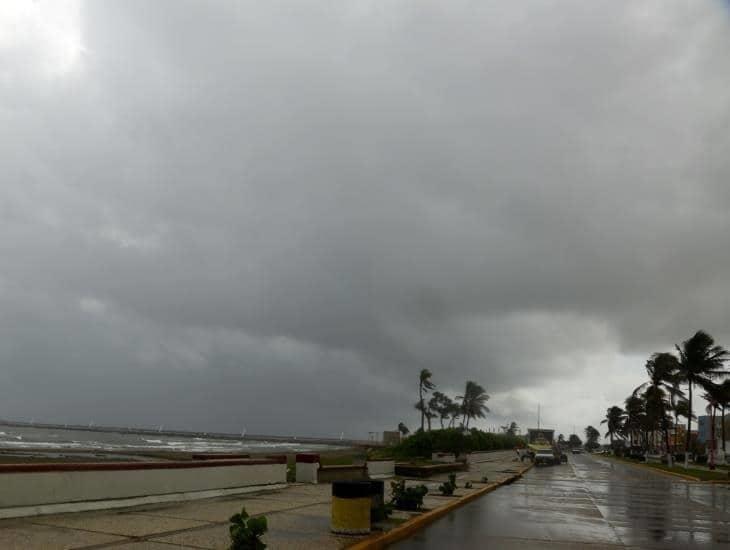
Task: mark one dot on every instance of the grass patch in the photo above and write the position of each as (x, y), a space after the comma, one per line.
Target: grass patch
(704, 475)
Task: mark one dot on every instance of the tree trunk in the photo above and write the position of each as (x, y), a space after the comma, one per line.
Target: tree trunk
(689, 429)
(712, 437)
(723, 431)
(420, 400)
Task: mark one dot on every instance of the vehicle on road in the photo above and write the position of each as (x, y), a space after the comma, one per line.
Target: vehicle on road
(545, 457)
(576, 450)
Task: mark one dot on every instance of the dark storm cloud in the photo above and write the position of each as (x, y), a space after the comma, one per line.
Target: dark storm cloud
(213, 210)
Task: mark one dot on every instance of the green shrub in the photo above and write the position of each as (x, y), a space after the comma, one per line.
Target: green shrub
(447, 488)
(467, 485)
(423, 444)
(407, 498)
(246, 532)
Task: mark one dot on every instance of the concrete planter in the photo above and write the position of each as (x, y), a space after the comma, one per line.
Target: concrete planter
(381, 468)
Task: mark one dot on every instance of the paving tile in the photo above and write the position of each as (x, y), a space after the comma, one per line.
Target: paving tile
(31, 537)
(211, 537)
(149, 545)
(220, 511)
(128, 524)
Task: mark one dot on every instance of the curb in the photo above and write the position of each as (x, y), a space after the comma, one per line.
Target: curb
(405, 530)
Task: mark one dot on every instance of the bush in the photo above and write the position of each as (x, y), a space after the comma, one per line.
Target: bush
(447, 488)
(451, 440)
(246, 532)
(410, 498)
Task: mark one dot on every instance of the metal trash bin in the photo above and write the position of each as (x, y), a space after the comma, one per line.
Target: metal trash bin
(351, 502)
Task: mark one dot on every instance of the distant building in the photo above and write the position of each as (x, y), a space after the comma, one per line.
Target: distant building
(704, 433)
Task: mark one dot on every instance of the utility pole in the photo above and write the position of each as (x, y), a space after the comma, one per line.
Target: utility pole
(538, 416)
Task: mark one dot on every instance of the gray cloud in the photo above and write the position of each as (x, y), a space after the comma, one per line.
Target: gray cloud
(217, 214)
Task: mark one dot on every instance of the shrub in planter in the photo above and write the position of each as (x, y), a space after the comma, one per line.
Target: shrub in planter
(447, 488)
(407, 498)
(246, 532)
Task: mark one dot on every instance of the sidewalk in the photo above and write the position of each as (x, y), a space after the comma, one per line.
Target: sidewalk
(298, 518)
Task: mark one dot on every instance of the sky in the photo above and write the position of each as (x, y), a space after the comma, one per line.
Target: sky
(273, 215)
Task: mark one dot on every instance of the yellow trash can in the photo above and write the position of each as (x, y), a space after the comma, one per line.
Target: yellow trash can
(351, 507)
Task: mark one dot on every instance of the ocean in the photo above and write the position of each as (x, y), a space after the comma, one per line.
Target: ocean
(29, 438)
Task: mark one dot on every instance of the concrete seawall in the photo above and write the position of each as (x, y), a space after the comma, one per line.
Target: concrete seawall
(32, 489)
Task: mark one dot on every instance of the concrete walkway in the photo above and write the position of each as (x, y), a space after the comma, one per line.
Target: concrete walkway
(298, 518)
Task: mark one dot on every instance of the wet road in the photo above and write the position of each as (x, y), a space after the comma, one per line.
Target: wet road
(592, 503)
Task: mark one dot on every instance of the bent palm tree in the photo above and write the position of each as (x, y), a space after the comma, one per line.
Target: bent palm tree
(664, 376)
(473, 402)
(424, 386)
(615, 417)
(700, 362)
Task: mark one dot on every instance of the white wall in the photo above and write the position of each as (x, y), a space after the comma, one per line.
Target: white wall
(381, 468)
(34, 488)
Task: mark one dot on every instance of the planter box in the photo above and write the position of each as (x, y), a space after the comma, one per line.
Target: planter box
(381, 468)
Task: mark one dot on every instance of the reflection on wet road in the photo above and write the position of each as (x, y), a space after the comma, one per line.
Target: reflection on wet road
(591, 502)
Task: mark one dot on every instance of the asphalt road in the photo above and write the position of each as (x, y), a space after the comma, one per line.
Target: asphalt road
(592, 503)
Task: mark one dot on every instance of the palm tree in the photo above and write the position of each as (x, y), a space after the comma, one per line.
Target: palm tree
(442, 405)
(634, 422)
(664, 377)
(712, 397)
(424, 386)
(615, 417)
(473, 402)
(403, 429)
(657, 417)
(700, 362)
(455, 413)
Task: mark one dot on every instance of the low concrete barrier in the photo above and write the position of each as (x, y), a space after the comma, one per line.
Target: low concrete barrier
(381, 468)
(307, 465)
(32, 489)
